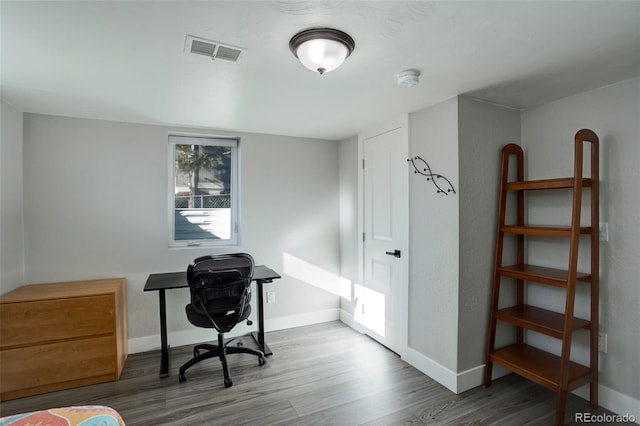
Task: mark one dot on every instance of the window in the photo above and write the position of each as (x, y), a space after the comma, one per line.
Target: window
(204, 191)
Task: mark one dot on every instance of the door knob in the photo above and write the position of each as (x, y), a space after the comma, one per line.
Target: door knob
(395, 253)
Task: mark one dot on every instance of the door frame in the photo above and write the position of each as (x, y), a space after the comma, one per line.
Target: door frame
(401, 122)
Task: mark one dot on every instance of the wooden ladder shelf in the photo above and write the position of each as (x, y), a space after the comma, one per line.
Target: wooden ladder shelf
(557, 373)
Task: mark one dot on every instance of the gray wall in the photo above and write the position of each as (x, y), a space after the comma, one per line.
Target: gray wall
(613, 112)
(96, 200)
(483, 130)
(349, 240)
(95, 205)
(11, 212)
(434, 236)
(452, 237)
(450, 286)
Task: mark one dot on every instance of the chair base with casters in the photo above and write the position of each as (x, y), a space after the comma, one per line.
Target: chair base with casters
(219, 351)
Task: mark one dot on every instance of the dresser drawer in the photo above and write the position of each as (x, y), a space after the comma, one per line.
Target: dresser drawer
(57, 366)
(44, 321)
(62, 335)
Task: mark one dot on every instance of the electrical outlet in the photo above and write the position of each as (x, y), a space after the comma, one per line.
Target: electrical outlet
(604, 231)
(271, 297)
(602, 342)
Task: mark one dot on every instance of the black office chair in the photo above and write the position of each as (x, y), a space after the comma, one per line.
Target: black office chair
(220, 296)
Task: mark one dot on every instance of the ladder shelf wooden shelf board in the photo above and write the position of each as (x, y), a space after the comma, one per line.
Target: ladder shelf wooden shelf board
(540, 367)
(558, 183)
(540, 274)
(555, 372)
(539, 320)
(548, 230)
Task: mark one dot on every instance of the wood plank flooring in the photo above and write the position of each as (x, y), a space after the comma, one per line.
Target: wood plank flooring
(324, 374)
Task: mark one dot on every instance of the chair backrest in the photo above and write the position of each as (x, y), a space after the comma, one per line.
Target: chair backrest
(241, 262)
(220, 287)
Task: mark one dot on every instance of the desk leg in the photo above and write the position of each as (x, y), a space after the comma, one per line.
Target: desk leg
(259, 336)
(164, 361)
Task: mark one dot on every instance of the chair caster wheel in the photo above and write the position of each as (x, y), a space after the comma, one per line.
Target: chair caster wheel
(261, 361)
(181, 378)
(228, 382)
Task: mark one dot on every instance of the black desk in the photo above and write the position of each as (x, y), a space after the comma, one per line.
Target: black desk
(169, 280)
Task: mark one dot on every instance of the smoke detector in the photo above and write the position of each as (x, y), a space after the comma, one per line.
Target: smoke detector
(409, 78)
(213, 49)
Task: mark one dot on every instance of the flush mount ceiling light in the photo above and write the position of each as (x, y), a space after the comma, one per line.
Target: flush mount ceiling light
(322, 49)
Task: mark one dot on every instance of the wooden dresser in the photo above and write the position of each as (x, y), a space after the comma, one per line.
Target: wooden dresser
(62, 335)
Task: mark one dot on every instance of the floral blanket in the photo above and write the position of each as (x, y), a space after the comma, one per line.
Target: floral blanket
(86, 415)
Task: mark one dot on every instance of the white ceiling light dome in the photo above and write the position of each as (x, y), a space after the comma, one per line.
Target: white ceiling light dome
(322, 49)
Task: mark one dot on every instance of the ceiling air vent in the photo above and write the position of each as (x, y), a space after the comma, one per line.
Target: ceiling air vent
(213, 49)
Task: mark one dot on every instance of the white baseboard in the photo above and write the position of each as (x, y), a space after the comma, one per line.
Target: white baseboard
(347, 318)
(610, 399)
(614, 401)
(300, 320)
(197, 335)
(455, 382)
(474, 377)
(433, 369)
(174, 338)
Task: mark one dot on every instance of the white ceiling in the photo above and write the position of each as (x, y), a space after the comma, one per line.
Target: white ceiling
(125, 61)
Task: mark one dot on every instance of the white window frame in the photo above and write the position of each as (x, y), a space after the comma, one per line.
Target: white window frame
(193, 139)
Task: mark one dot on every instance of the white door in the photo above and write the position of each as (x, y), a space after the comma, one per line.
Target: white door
(382, 306)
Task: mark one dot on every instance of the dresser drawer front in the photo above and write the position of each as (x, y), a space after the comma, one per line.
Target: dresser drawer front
(41, 321)
(54, 365)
